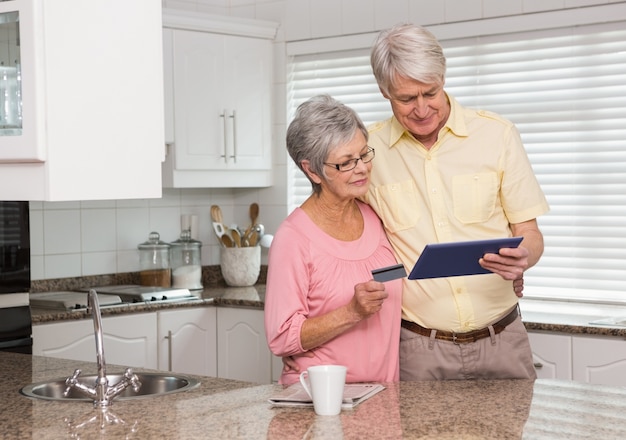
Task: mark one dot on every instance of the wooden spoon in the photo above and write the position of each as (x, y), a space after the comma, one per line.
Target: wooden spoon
(216, 214)
(253, 238)
(254, 214)
(236, 236)
(227, 241)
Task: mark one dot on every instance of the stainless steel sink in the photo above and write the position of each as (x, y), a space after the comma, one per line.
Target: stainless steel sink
(152, 384)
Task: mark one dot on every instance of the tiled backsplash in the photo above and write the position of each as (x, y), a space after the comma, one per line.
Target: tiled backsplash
(78, 239)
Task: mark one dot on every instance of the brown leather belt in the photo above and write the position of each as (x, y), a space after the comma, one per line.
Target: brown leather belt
(462, 338)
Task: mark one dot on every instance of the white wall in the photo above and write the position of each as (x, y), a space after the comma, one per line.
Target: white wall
(72, 239)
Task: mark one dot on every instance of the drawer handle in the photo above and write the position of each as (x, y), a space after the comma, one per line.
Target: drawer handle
(538, 365)
(234, 118)
(169, 350)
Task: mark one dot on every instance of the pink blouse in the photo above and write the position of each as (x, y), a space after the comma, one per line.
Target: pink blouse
(311, 274)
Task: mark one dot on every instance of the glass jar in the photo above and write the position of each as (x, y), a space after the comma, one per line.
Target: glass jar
(186, 264)
(154, 262)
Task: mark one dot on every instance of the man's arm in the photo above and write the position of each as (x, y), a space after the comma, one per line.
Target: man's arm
(533, 239)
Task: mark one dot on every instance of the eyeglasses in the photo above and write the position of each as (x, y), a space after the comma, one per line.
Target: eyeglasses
(349, 165)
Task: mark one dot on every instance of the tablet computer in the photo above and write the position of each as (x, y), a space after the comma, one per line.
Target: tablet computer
(457, 258)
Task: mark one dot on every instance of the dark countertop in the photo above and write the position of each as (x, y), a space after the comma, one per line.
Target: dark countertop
(538, 315)
(227, 409)
(250, 297)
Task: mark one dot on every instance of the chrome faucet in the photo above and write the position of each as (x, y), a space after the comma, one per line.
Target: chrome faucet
(101, 393)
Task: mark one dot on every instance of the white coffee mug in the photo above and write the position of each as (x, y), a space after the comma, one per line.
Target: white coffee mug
(324, 383)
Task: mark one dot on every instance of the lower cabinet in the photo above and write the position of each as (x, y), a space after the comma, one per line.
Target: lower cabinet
(591, 359)
(129, 340)
(187, 341)
(599, 360)
(242, 351)
(208, 341)
(552, 355)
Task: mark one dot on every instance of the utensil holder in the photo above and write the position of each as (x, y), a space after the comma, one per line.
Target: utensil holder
(241, 266)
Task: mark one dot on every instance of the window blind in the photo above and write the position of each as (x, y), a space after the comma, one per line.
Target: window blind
(565, 89)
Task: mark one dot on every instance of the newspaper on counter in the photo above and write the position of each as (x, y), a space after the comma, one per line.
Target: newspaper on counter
(353, 394)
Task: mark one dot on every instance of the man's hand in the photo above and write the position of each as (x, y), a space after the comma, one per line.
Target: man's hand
(509, 263)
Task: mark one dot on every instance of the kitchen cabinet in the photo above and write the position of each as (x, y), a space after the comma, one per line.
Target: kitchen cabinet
(188, 341)
(590, 359)
(242, 351)
(599, 360)
(226, 342)
(552, 355)
(129, 340)
(218, 84)
(92, 107)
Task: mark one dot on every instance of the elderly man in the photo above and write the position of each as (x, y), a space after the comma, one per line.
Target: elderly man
(447, 173)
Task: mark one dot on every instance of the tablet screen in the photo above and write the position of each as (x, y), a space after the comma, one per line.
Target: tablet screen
(457, 258)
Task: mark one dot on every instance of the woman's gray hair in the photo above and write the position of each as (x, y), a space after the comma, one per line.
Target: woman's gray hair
(321, 124)
(409, 51)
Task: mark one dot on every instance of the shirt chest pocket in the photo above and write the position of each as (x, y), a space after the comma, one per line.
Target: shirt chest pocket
(475, 196)
(399, 206)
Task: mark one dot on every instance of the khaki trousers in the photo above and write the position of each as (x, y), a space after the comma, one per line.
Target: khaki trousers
(506, 355)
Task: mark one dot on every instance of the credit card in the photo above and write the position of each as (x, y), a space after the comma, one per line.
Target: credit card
(389, 273)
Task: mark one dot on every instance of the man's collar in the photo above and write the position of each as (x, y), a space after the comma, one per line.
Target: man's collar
(456, 122)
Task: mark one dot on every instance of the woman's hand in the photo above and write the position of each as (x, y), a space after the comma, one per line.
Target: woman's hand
(368, 299)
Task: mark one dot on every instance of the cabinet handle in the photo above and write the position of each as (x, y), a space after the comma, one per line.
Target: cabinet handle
(169, 350)
(223, 116)
(233, 117)
(538, 365)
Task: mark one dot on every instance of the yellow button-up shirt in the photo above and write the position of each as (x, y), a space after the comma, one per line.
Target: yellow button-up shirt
(472, 184)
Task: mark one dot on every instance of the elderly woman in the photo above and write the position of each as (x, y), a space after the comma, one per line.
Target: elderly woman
(322, 305)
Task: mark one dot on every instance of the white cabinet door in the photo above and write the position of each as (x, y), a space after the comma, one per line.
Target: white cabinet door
(97, 102)
(552, 355)
(242, 351)
(600, 360)
(129, 340)
(222, 110)
(188, 341)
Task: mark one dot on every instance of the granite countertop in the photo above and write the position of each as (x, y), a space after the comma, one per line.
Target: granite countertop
(538, 315)
(227, 409)
(251, 297)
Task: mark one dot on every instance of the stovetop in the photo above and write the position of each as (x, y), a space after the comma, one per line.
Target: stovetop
(110, 296)
(136, 293)
(68, 300)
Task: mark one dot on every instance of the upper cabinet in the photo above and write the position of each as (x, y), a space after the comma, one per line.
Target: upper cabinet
(218, 85)
(81, 97)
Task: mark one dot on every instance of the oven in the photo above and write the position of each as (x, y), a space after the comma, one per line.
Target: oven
(15, 318)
